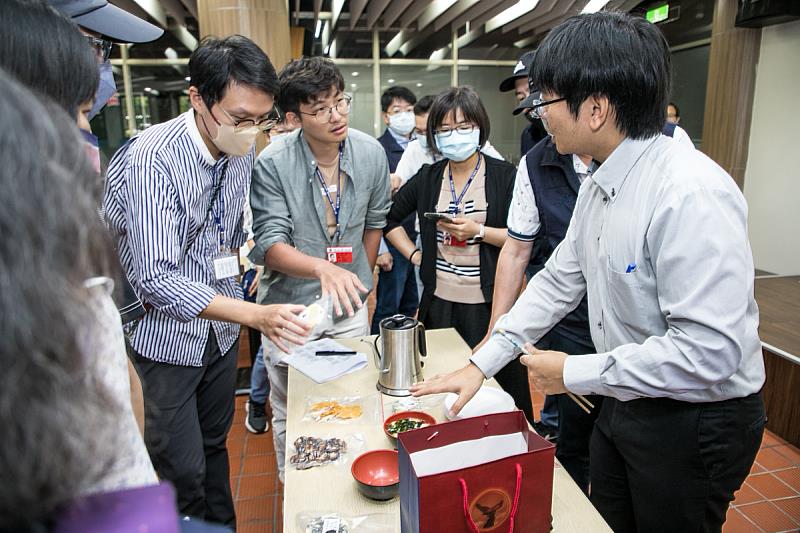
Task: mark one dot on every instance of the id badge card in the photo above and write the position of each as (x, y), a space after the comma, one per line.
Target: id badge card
(449, 240)
(340, 254)
(226, 265)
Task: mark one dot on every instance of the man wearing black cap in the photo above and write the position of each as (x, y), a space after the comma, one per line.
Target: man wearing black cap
(518, 82)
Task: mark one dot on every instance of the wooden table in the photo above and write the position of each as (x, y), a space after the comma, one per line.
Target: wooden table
(332, 488)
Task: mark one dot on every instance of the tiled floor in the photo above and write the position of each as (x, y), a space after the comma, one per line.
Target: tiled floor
(769, 501)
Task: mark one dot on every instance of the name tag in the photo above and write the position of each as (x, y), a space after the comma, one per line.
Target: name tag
(449, 240)
(226, 265)
(340, 254)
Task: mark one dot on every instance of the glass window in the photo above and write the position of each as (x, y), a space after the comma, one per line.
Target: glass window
(358, 84)
(159, 94)
(689, 77)
(506, 129)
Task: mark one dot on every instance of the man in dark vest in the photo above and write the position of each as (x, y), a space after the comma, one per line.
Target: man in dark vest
(545, 191)
(397, 282)
(518, 82)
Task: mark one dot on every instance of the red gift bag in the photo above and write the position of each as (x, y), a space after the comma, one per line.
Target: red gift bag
(487, 473)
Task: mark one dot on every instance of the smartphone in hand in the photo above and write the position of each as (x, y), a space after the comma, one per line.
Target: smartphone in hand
(447, 217)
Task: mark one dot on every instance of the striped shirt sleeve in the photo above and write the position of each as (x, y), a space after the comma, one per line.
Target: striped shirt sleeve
(155, 242)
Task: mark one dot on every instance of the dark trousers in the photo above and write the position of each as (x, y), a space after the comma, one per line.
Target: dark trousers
(574, 425)
(189, 411)
(396, 291)
(471, 322)
(664, 465)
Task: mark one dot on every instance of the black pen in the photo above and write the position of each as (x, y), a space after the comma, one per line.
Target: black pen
(334, 352)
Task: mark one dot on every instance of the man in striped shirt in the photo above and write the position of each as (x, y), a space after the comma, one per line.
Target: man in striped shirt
(174, 201)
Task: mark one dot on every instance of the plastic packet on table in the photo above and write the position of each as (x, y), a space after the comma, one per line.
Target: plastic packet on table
(309, 451)
(426, 404)
(364, 409)
(330, 522)
(319, 315)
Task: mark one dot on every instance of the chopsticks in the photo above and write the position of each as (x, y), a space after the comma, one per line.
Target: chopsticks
(582, 402)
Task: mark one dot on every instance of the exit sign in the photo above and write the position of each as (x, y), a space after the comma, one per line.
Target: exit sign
(657, 14)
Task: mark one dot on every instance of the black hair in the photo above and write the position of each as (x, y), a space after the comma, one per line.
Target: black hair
(467, 100)
(423, 105)
(305, 79)
(677, 109)
(623, 58)
(60, 429)
(217, 63)
(44, 50)
(401, 93)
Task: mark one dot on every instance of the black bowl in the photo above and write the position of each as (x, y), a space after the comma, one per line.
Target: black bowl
(377, 474)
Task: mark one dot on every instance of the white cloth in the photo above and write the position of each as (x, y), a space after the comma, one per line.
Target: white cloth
(523, 215)
(415, 156)
(681, 136)
(105, 343)
(658, 238)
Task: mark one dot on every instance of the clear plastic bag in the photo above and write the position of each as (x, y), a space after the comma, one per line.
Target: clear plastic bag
(320, 315)
(427, 404)
(366, 409)
(329, 522)
(311, 451)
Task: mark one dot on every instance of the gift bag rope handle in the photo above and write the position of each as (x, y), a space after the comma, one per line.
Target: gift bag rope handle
(465, 494)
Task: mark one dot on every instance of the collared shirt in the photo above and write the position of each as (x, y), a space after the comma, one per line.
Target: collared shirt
(523, 217)
(659, 241)
(158, 192)
(416, 156)
(402, 140)
(289, 207)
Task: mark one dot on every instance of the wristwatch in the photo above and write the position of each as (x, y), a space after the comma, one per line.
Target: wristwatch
(481, 234)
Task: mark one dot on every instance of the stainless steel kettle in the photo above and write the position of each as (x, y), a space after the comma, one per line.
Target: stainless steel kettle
(399, 360)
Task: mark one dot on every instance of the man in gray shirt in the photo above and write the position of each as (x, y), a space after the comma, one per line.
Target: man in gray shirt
(319, 197)
(658, 243)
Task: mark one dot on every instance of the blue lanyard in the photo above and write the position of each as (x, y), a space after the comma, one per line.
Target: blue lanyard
(220, 214)
(457, 201)
(335, 206)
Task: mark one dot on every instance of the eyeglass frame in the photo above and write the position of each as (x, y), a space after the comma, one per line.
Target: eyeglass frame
(466, 128)
(329, 109)
(539, 103)
(102, 47)
(268, 123)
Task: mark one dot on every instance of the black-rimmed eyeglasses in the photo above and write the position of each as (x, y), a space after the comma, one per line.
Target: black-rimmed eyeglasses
(463, 128)
(264, 124)
(102, 47)
(323, 115)
(538, 104)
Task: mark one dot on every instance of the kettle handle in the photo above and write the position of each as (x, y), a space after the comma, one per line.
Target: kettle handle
(379, 357)
(423, 346)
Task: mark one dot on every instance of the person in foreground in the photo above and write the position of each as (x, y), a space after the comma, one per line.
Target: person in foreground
(658, 242)
(63, 419)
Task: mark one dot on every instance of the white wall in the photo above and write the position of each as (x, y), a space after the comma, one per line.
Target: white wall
(772, 179)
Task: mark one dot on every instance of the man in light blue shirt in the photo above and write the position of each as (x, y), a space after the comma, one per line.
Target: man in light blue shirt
(658, 243)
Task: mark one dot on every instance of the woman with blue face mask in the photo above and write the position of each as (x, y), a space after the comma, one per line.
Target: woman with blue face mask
(466, 196)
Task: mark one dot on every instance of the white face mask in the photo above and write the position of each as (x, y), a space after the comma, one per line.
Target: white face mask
(402, 123)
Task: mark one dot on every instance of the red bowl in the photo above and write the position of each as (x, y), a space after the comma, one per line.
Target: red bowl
(377, 474)
(419, 415)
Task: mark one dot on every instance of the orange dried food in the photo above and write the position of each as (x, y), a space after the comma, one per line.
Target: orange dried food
(333, 409)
